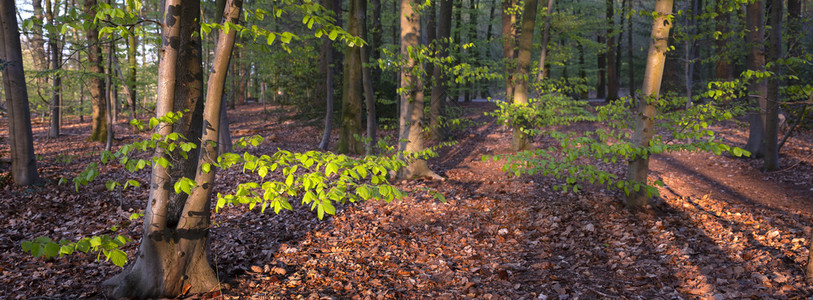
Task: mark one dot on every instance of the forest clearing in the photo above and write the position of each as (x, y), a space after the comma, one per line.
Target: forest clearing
(449, 149)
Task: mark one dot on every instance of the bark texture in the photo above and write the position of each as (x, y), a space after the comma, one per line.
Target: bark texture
(95, 82)
(645, 124)
(520, 140)
(21, 142)
(410, 121)
(758, 89)
(350, 127)
(612, 74)
(771, 158)
(172, 255)
(543, 49)
(509, 19)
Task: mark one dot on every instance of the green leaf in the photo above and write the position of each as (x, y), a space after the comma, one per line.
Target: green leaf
(206, 167)
(331, 168)
(118, 257)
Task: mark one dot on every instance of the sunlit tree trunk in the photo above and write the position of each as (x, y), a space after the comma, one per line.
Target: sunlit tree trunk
(521, 140)
(543, 49)
(759, 88)
(21, 141)
(350, 128)
(38, 44)
(410, 135)
(172, 256)
(645, 124)
(95, 81)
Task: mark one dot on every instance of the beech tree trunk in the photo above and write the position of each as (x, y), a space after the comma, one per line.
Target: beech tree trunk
(172, 256)
(410, 121)
(509, 19)
(601, 85)
(543, 49)
(369, 94)
(56, 65)
(521, 140)
(39, 55)
(645, 124)
(759, 88)
(631, 69)
(612, 78)
(95, 82)
(439, 86)
(771, 158)
(722, 68)
(130, 83)
(21, 141)
(350, 127)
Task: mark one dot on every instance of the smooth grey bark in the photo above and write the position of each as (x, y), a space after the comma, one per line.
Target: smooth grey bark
(172, 257)
(410, 121)
(645, 124)
(21, 141)
(520, 141)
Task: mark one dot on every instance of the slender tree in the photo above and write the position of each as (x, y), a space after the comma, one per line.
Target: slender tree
(759, 88)
(95, 82)
(612, 78)
(645, 124)
(350, 128)
(21, 141)
(56, 66)
(543, 49)
(439, 86)
(601, 84)
(509, 19)
(369, 94)
(771, 159)
(520, 140)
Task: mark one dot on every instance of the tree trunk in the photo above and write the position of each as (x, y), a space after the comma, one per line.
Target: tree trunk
(56, 65)
(645, 123)
(543, 49)
(172, 258)
(96, 83)
(369, 94)
(690, 51)
(612, 79)
(38, 44)
(509, 18)
(438, 97)
(350, 128)
(21, 141)
(601, 86)
(108, 86)
(376, 42)
(771, 158)
(327, 45)
(410, 121)
(722, 68)
(759, 88)
(809, 267)
(130, 83)
(631, 69)
(795, 23)
(520, 140)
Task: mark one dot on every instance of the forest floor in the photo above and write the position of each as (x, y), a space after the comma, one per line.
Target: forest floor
(722, 229)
